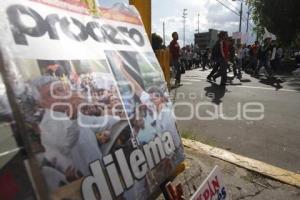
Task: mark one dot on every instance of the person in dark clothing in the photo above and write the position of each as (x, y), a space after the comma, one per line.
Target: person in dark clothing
(253, 57)
(220, 55)
(265, 57)
(205, 58)
(175, 53)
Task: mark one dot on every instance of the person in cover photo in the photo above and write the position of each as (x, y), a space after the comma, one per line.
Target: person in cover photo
(69, 148)
(72, 129)
(156, 102)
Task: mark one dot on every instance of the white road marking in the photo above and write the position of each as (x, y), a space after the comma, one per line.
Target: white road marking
(10, 151)
(192, 80)
(186, 83)
(265, 88)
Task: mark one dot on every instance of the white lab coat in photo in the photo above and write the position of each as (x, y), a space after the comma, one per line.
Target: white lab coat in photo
(166, 122)
(164, 119)
(68, 144)
(58, 138)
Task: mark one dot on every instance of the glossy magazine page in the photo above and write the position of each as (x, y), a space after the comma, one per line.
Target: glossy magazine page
(91, 92)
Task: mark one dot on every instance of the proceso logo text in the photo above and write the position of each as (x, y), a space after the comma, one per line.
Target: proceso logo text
(120, 35)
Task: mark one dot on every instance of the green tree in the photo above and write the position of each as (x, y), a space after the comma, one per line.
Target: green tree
(280, 17)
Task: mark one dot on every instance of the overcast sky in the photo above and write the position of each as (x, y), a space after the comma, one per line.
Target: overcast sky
(212, 15)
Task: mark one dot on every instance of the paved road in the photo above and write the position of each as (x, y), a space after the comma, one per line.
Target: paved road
(275, 139)
(8, 145)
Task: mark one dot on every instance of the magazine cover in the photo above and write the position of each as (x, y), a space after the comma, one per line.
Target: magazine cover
(94, 106)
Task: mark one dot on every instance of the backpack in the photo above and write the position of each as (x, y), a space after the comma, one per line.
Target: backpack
(216, 50)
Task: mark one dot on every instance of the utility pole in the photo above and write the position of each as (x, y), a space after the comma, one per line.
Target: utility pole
(247, 29)
(198, 23)
(241, 16)
(164, 36)
(248, 15)
(184, 16)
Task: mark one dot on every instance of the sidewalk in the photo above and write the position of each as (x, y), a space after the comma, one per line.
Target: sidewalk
(241, 183)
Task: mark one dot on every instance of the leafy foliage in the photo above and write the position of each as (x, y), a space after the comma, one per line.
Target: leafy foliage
(280, 17)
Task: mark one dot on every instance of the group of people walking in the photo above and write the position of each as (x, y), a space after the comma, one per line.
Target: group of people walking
(226, 56)
(187, 58)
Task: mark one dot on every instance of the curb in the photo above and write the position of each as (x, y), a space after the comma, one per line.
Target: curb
(265, 169)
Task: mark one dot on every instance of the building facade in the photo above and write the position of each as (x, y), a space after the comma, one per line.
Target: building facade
(206, 39)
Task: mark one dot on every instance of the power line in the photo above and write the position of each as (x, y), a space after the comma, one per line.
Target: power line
(238, 13)
(237, 9)
(233, 5)
(184, 16)
(233, 11)
(244, 17)
(228, 7)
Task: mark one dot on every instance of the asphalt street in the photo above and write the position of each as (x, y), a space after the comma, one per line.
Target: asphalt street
(273, 137)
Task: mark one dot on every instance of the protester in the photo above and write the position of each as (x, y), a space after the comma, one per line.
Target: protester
(183, 59)
(273, 56)
(231, 56)
(189, 59)
(205, 58)
(238, 63)
(221, 53)
(265, 58)
(209, 59)
(245, 56)
(253, 56)
(279, 57)
(218, 56)
(196, 60)
(175, 53)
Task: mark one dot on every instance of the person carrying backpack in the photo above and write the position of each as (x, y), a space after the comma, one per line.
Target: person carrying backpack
(220, 56)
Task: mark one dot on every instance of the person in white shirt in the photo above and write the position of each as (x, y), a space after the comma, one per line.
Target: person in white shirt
(69, 138)
(239, 61)
(155, 101)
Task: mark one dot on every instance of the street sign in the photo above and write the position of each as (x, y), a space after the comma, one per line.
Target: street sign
(212, 187)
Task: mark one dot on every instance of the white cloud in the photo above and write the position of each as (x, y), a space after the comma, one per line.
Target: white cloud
(212, 15)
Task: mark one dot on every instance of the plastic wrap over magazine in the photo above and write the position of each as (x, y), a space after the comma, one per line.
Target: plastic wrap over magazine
(93, 92)
(14, 180)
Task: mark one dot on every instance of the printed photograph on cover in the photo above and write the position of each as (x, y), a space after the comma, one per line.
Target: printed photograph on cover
(74, 109)
(153, 114)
